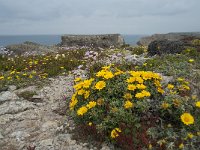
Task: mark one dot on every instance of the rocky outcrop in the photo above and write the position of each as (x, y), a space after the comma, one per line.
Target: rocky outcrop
(29, 48)
(40, 125)
(185, 37)
(103, 41)
(160, 47)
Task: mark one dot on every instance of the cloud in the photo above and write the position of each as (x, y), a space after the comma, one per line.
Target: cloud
(53, 16)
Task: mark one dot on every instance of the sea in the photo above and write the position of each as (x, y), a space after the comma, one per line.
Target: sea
(49, 40)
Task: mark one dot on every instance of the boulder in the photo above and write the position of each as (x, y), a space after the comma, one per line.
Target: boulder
(160, 47)
(103, 41)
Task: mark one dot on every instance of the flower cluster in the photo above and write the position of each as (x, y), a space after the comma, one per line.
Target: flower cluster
(117, 103)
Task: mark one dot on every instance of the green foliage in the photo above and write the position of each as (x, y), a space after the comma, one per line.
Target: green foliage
(21, 69)
(134, 107)
(138, 50)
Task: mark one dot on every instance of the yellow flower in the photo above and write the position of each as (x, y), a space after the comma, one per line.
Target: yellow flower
(198, 104)
(181, 146)
(12, 72)
(87, 94)
(157, 83)
(141, 86)
(81, 92)
(184, 87)
(61, 67)
(130, 80)
(30, 76)
(9, 78)
(139, 80)
(143, 94)
(81, 111)
(77, 80)
(118, 72)
(198, 133)
(114, 133)
(131, 87)
(128, 104)
(78, 86)
(150, 146)
(87, 83)
(170, 86)
(100, 73)
(135, 73)
(127, 96)
(91, 104)
(191, 60)
(106, 67)
(100, 85)
(108, 75)
(190, 135)
(194, 97)
(165, 105)
(180, 79)
(187, 118)
(90, 123)
(1, 77)
(73, 103)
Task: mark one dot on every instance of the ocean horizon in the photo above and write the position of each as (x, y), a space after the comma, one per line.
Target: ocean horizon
(49, 40)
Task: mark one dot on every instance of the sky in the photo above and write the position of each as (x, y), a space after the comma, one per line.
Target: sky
(21, 17)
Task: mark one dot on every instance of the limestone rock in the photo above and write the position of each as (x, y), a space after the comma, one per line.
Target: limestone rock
(12, 88)
(102, 41)
(7, 95)
(12, 107)
(185, 37)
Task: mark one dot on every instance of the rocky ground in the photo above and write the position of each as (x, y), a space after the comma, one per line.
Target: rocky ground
(41, 122)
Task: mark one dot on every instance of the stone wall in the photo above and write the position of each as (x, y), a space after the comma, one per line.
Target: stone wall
(185, 37)
(103, 41)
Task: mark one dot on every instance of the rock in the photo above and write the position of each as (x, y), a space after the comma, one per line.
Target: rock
(19, 135)
(49, 125)
(96, 41)
(45, 145)
(12, 88)
(30, 48)
(36, 99)
(185, 37)
(105, 147)
(25, 124)
(1, 136)
(7, 95)
(161, 47)
(166, 79)
(29, 89)
(13, 107)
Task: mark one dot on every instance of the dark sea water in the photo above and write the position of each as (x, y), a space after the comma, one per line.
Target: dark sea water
(50, 39)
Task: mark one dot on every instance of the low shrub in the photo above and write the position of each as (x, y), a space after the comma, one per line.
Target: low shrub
(135, 111)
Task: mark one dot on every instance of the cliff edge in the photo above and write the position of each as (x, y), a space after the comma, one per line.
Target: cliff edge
(185, 37)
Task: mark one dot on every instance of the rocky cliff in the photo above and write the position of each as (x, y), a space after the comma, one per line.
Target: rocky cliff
(185, 37)
(105, 40)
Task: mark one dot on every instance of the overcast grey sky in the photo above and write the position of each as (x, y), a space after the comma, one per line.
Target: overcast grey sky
(98, 16)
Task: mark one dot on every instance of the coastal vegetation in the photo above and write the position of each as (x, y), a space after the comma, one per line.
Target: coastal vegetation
(126, 97)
